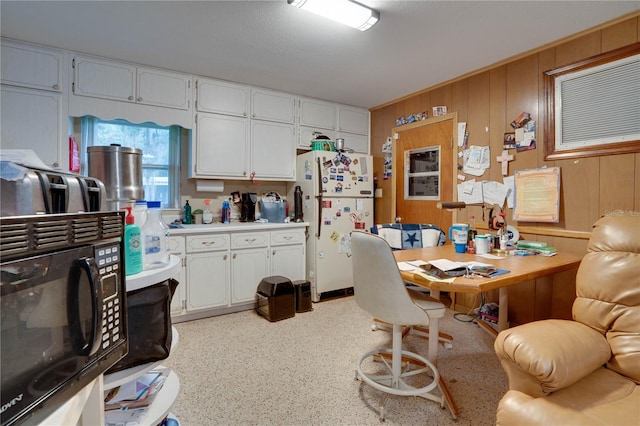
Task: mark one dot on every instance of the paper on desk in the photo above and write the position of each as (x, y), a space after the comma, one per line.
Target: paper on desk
(410, 265)
(433, 278)
(447, 265)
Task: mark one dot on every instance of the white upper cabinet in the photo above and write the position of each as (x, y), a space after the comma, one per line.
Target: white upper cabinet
(353, 120)
(317, 114)
(162, 88)
(221, 97)
(30, 66)
(221, 147)
(273, 106)
(273, 150)
(128, 83)
(104, 79)
(32, 119)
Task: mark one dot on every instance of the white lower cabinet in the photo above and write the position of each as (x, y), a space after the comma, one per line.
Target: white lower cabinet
(287, 254)
(179, 301)
(223, 270)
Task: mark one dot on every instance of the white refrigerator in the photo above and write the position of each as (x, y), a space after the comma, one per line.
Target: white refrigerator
(337, 197)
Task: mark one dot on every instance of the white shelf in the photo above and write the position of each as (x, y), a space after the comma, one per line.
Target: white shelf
(150, 277)
(159, 408)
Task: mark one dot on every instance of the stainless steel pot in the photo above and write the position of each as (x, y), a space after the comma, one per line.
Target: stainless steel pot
(120, 169)
(339, 144)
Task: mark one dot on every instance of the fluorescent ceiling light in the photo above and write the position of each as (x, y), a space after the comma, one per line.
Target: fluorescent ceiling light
(344, 11)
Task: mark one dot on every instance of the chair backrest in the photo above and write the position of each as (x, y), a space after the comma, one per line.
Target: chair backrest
(608, 290)
(402, 236)
(377, 284)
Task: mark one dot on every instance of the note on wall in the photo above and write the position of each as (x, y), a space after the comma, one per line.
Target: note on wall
(537, 195)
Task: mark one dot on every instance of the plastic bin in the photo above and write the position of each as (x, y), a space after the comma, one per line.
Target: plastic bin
(273, 212)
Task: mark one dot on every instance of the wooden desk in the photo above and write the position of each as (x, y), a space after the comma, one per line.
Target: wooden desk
(522, 268)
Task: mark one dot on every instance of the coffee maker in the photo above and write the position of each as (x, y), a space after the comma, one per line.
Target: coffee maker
(248, 207)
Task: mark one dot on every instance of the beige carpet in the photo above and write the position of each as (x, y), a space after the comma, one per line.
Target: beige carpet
(240, 369)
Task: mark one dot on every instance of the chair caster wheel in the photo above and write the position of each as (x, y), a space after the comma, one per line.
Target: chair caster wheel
(374, 327)
(448, 345)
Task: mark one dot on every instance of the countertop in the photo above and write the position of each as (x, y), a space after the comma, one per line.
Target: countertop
(234, 227)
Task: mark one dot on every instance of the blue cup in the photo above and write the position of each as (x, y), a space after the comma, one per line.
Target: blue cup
(460, 248)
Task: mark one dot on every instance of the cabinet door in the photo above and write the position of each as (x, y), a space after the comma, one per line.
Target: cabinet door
(307, 134)
(315, 113)
(288, 261)
(353, 120)
(104, 79)
(221, 97)
(249, 267)
(176, 247)
(31, 119)
(273, 150)
(272, 106)
(358, 143)
(161, 88)
(28, 66)
(208, 275)
(221, 146)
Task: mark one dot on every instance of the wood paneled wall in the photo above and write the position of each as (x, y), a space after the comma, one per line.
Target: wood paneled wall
(488, 100)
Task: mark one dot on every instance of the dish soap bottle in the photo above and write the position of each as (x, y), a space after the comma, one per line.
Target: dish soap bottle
(186, 219)
(207, 216)
(226, 212)
(155, 251)
(132, 245)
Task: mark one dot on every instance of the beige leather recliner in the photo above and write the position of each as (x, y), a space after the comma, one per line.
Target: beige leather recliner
(585, 371)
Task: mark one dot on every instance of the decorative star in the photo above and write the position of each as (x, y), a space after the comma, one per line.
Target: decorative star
(411, 238)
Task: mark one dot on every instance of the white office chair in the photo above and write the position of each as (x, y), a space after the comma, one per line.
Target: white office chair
(380, 291)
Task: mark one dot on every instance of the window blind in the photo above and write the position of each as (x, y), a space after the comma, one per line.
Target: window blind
(600, 105)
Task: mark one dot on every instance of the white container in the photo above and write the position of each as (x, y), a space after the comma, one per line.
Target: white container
(140, 213)
(482, 244)
(155, 232)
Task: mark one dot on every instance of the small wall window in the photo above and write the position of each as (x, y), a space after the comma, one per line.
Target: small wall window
(422, 173)
(593, 106)
(160, 153)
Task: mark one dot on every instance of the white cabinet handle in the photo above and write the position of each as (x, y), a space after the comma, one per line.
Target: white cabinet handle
(139, 99)
(273, 252)
(209, 243)
(55, 87)
(225, 257)
(249, 240)
(235, 255)
(130, 98)
(287, 237)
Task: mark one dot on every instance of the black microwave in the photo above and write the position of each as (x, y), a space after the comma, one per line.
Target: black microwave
(62, 308)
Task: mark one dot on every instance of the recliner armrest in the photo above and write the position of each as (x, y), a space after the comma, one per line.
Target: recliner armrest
(544, 356)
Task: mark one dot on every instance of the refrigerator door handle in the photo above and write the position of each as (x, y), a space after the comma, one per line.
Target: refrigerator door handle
(319, 198)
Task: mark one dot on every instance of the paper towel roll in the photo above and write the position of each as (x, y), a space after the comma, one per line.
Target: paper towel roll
(209, 185)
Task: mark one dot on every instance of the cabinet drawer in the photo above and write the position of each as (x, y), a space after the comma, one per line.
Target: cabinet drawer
(212, 242)
(285, 237)
(253, 239)
(176, 245)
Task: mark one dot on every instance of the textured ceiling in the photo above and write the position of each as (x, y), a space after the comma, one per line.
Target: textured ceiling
(416, 44)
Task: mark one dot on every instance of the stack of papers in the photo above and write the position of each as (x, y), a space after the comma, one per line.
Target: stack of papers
(444, 270)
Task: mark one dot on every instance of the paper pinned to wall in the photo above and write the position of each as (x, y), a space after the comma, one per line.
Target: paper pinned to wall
(494, 192)
(462, 129)
(476, 160)
(470, 192)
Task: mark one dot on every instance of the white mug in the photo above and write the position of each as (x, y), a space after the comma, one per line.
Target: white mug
(482, 244)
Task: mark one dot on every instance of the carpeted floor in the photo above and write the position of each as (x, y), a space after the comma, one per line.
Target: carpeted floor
(240, 369)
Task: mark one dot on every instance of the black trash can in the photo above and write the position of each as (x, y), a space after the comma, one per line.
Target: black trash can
(303, 296)
(276, 299)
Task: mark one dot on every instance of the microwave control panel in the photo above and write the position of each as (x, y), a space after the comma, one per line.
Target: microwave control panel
(108, 258)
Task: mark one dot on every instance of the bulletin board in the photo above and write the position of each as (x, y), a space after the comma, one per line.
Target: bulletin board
(537, 195)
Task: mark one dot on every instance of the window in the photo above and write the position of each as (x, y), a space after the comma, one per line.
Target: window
(160, 153)
(422, 176)
(592, 106)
